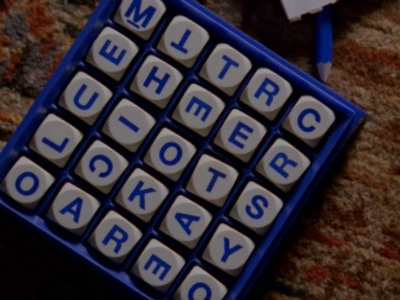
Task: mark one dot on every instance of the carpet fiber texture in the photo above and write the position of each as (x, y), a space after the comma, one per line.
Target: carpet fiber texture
(345, 246)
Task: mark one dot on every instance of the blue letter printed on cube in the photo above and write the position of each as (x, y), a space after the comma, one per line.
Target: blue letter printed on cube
(89, 103)
(303, 114)
(136, 16)
(180, 46)
(159, 264)
(58, 148)
(229, 63)
(285, 161)
(138, 192)
(264, 89)
(74, 208)
(119, 240)
(229, 251)
(214, 178)
(258, 203)
(128, 124)
(200, 286)
(110, 56)
(177, 157)
(237, 133)
(32, 189)
(162, 82)
(185, 221)
(200, 106)
(105, 160)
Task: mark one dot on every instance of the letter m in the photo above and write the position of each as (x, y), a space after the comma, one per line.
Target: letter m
(135, 15)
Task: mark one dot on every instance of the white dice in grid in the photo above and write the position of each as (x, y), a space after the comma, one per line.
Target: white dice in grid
(226, 68)
(170, 154)
(183, 40)
(112, 53)
(142, 195)
(140, 17)
(212, 180)
(198, 284)
(198, 109)
(55, 140)
(309, 120)
(128, 125)
(186, 221)
(101, 166)
(283, 165)
(256, 208)
(266, 93)
(26, 183)
(115, 237)
(73, 209)
(228, 250)
(156, 81)
(158, 265)
(240, 135)
(85, 97)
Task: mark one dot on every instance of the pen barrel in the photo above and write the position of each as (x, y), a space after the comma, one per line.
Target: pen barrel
(324, 35)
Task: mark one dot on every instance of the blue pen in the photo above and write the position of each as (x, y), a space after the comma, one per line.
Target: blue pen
(324, 38)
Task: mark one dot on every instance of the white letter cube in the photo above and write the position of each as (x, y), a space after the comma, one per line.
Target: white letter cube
(256, 208)
(228, 250)
(101, 166)
(198, 109)
(26, 183)
(309, 120)
(198, 284)
(266, 93)
(56, 140)
(186, 221)
(112, 53)
(226, 68)
(85, 97)
(142, 195)
(212, 180)
(240, 135)
(183, 40)
(283, 165)
(156, 81)
(170, 154)
(73, 209)
(115, 237)
(158, 265)
(140, 17)
(128, 125)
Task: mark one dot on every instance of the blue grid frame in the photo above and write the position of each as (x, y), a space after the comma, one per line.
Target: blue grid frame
(348, 117)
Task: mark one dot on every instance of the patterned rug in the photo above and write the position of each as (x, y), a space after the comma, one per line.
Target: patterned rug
(345, 246)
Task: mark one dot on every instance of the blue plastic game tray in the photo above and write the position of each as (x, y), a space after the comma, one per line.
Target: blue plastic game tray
(310, 128)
